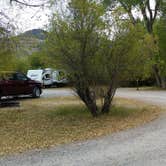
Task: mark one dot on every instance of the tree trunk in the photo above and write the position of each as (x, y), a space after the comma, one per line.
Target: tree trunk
(107, 101)
(92, 108)
(89, 99)
(107, 104)
(159, 79)
(157, 76)
(137, 85)
(163, 83)
(110, 94)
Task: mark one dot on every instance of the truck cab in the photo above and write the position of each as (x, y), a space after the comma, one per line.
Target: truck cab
(16, 83)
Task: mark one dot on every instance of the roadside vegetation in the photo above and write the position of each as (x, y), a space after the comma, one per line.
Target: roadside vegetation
(44, 123)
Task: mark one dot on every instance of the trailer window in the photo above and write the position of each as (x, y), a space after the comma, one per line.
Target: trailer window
(47, 76)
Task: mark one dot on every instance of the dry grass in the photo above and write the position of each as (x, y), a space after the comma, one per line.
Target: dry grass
(42, 123)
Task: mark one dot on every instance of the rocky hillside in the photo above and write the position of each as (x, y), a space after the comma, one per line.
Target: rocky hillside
(36, 33)
(31, 41)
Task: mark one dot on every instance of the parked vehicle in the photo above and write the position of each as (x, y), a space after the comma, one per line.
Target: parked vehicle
(15, 84)
(59, 77)
(44, 77)
(48, 76)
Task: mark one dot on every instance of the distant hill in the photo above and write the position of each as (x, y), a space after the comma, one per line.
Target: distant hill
(35, 33)
(31, 41)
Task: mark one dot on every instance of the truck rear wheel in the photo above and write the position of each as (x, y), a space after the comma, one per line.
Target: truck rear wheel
(0, 96)
(36, 92)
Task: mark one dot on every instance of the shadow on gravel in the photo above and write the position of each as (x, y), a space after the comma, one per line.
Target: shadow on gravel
(9, 103)
(13, 101)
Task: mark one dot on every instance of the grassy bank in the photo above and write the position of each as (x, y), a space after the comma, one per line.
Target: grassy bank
(43, 123)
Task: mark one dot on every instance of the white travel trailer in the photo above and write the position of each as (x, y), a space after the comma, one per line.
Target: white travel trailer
(48, 76)
(59, 77)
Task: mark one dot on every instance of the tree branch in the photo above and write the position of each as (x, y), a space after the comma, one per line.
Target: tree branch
(149, 10)
(129, 12)
(143, 11)
(26, 4)
(156, 9)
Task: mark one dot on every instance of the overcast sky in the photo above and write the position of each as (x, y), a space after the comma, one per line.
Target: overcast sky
(26, 18)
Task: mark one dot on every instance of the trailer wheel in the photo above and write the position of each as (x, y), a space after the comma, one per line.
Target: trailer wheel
(36, 92)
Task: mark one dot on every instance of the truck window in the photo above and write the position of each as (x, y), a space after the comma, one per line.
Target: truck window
(20, 76)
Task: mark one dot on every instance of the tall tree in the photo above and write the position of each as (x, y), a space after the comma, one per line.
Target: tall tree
(74, 42)
(160, 31)
(82, 43)
(150, 10)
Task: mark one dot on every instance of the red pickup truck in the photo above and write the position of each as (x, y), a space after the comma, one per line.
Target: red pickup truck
(15, 84)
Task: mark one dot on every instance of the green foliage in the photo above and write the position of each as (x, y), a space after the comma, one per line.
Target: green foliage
(41, 59)
(163, 8)
(79, 42)
(74, 42)
(36, 61)
(22, 64)
(160, 31)
(139, 58)
(7, 56)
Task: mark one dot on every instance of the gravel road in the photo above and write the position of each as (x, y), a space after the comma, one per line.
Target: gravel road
(151, 97)
(142, 146)
(57, 92)
(148, 96)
